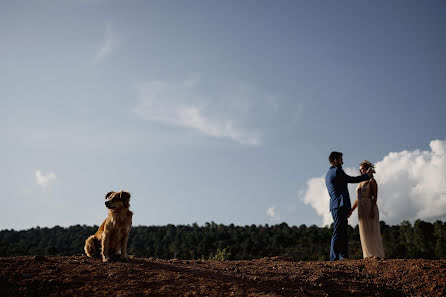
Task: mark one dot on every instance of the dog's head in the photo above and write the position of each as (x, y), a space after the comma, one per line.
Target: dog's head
(117, 200)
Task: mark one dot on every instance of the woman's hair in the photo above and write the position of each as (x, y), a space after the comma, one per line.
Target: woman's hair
(367, 164)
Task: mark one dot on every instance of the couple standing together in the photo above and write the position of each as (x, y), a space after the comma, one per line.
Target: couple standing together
(341, 209)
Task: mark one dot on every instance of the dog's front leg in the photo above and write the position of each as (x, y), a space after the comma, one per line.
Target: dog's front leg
(105, 247)
(124, 255)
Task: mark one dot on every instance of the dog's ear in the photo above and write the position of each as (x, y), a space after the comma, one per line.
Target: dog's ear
(108, 194)
(125, 196)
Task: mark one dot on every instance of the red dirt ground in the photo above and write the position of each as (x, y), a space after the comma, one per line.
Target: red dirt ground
(82, 276)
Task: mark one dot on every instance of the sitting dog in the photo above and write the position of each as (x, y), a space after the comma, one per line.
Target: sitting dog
(111, 238)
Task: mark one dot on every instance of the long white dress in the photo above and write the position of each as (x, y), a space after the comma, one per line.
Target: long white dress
(369, 229)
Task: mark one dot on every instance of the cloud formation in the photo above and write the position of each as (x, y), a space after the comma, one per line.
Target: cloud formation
(182, 105)
(42, 179)
(272, 214)
(411, 185)
(107, 44)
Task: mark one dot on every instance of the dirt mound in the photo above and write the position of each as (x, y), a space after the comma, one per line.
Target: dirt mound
(277, 276)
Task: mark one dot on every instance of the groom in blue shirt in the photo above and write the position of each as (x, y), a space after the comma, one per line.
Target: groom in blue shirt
(340, 205)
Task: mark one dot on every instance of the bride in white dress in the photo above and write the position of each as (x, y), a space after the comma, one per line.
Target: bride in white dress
(368, 215)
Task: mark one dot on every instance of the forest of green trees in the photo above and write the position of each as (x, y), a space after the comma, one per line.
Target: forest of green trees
(420, 240)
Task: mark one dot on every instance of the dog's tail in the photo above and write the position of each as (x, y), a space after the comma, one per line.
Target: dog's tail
(92, 247)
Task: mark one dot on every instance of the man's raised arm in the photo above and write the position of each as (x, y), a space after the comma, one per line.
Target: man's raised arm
(356, 179)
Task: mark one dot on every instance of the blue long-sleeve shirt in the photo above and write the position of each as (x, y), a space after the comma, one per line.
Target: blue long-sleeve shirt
(336, 180)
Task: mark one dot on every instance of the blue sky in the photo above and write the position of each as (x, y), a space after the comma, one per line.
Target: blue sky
(221, 111)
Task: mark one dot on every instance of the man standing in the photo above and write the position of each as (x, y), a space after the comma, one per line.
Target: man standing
(340, 205)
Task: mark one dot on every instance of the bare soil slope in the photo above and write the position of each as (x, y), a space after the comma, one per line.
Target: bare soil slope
(82, 276)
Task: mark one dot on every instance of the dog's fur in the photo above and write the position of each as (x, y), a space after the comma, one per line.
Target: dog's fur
(111, 238)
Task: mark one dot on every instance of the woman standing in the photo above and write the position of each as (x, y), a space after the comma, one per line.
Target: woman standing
(368, 215)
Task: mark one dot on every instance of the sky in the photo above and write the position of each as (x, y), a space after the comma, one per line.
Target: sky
(222, 111)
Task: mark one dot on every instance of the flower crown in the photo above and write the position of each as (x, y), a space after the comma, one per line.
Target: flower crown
(367, 164)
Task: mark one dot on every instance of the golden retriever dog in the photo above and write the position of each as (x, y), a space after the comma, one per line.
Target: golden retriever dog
(110, 241)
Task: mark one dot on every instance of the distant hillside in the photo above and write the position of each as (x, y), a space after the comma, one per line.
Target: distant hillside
(420, 240)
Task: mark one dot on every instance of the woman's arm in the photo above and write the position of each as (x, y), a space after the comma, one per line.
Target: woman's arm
(353, 208)
(374, 192)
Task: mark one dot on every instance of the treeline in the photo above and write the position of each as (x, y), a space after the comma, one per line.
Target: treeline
(420, 240)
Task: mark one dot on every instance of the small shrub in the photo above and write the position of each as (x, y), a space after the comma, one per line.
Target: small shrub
(220, 255)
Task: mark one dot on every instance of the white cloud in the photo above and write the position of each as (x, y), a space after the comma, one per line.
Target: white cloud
(317, 196)
(107, 44)
(43, 179)
(182, 105)
(273, 215)
(411, 185)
